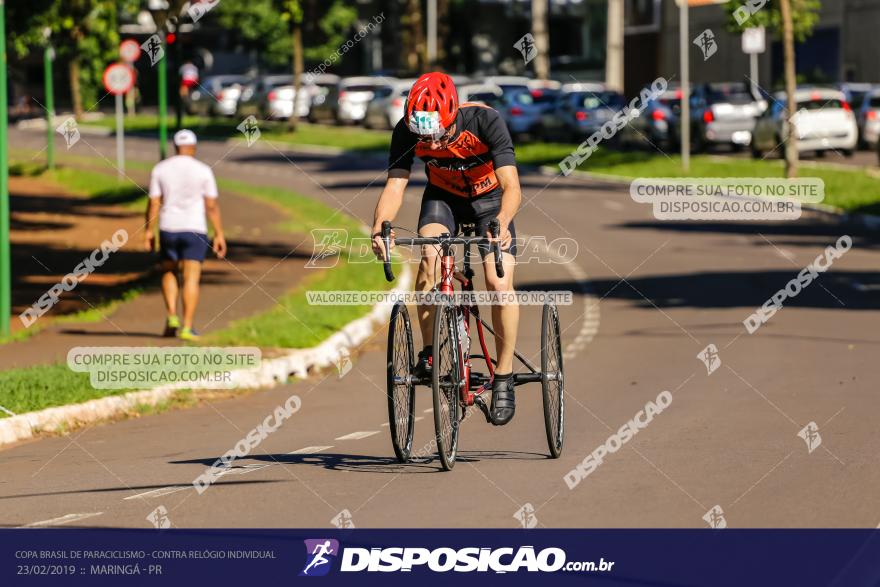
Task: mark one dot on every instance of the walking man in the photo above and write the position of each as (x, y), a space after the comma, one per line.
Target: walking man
(183, 192)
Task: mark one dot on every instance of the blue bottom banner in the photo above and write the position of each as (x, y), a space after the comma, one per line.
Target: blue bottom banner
(846, 558)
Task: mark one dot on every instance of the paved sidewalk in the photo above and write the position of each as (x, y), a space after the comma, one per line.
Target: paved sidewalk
(53, 232)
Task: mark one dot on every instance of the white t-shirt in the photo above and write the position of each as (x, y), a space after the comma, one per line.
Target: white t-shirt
(183, 183)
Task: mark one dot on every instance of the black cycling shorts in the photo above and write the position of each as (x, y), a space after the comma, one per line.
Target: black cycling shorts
(453, 211)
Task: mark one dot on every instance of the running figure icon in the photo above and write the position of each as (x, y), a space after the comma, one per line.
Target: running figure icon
(319, 552)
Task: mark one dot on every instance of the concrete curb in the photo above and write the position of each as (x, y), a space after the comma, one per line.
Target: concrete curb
(866, 221)
(272, 372)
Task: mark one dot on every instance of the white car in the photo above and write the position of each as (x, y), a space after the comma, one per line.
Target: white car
(481, 93)
(386, 108)
(280, 99)
(594, 87)
(507, 82)
(824, 121)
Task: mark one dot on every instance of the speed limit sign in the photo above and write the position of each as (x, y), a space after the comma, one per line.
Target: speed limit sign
(129, 50)
(118, 78)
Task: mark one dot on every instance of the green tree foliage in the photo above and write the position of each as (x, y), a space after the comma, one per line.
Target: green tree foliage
(805, 15)
(265, 25)
(83, 32)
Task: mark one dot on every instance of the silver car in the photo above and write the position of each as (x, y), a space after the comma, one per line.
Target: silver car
(723, 114)
(216, 95)
(346, 102)
(868, 119)
(824, 121)
(280, 99)
(255, 99)
(386, 108)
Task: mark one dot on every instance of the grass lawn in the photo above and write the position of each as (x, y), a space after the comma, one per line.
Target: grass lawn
(852, 190)
(350, 138)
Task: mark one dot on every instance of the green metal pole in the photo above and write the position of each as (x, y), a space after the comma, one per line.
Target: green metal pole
(5, 258)
(48, 55)
(163, 102)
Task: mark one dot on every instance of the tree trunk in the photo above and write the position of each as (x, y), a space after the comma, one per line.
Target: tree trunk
(614, 46)
(442, 30)
(791, 153)
(416, 57)
(542, 39)
(297, 70)
(75, 92)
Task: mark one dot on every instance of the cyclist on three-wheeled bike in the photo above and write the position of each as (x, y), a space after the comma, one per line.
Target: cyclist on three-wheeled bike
(472, 179)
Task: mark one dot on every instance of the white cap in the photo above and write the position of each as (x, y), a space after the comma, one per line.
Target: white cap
(185, 137)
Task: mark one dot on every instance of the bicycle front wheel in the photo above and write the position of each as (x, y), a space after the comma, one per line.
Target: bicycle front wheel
(445, 383)
(552, 380)
(401, 389)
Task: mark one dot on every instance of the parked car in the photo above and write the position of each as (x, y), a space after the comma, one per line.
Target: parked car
(658, 125)
(216, 95)
(487, 94)
(346, 102)
(723, 114)
(386, 108)
(868, 119)
(855, 92)
(507, 82)
(256, 99)
(824, 121)
(280, 99)
(584, 87)
(519, 111)
(576, 115)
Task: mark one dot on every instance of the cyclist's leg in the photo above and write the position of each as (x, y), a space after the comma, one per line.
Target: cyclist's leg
(505, 317)
(436, 217)
(505, 320)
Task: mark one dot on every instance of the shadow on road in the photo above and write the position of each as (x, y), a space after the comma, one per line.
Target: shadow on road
(837, 290)
(375, 464)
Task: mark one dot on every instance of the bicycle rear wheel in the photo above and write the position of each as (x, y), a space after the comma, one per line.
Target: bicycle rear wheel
(401, 389)
(445, 384)
(552, 380)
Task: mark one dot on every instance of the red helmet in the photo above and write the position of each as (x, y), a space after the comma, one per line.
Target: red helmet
(432, 105)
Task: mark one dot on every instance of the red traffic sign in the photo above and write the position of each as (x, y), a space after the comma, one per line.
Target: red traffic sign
(129, 50)
(118, 78)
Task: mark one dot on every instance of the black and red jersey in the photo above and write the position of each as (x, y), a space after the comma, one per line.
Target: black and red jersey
(466, 166)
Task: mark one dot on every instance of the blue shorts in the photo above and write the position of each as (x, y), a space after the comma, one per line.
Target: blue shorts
(183, 246)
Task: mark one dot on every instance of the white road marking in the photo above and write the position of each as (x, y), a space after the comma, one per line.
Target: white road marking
(428, 411)
(419, 418)
(358, 435)
(386, 424)
(157, 492)
(310, 450)
(246, 469)
(63, 520)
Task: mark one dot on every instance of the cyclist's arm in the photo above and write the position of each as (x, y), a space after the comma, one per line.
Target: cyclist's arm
(391, 198)
(511, 195)
(400, 160)
(497, 137)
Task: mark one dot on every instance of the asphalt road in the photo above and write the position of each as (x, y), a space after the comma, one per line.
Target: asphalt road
(656, 295)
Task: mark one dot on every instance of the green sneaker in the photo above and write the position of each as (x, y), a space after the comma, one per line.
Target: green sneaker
(172, 325)
(188, 334)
